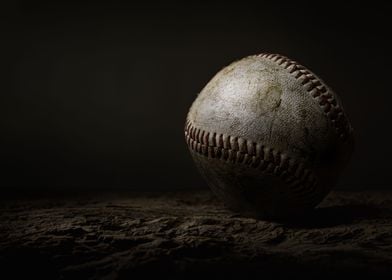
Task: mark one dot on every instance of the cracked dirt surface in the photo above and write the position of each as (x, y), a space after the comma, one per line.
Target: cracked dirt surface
(120, 235)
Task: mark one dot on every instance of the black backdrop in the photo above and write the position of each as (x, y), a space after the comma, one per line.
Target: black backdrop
(96, 95)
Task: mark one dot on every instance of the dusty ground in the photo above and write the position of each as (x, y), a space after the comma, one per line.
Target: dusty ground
(106, 236)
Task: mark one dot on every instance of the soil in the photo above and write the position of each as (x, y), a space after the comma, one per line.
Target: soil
(117, 235)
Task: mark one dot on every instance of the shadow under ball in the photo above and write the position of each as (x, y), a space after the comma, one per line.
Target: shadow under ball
(269, 137)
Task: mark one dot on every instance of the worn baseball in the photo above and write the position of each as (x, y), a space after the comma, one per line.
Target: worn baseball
(269, 136)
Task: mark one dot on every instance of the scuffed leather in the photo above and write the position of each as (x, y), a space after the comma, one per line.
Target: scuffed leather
(259, 100)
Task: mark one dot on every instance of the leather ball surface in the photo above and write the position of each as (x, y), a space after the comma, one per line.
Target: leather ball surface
(269, 136)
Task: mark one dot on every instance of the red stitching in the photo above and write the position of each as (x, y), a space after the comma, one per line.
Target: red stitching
(255, 155)
(318, 90)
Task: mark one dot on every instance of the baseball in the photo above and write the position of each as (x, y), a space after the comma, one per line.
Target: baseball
(269, 136)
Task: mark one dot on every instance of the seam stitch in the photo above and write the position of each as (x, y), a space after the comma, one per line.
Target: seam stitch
(318, 90)
(248, 153)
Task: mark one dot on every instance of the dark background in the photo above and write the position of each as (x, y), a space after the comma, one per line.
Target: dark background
(95, 95)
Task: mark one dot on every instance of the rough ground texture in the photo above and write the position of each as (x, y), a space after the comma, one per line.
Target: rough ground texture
(115, 236)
